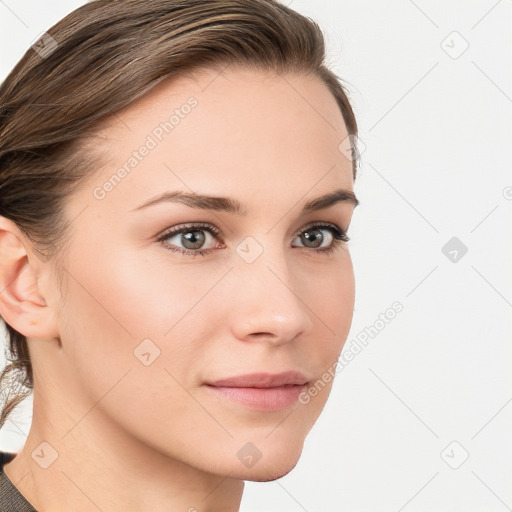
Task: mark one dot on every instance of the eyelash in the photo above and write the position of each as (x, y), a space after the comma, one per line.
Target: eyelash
(339, 236)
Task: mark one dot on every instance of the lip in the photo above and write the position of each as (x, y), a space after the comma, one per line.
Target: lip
(263, 392)
(262, 380)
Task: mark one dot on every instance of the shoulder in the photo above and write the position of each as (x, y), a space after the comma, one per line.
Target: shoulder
(6, 457)
(11, 500)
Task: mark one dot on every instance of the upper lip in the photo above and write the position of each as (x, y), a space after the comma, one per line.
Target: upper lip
(262, 380)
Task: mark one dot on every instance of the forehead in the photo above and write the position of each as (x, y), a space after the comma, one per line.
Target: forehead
(230, 131)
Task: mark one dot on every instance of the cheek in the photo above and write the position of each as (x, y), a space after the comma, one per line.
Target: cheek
(339, 304)
(330, 295)
(121, 361)
(122, 312)
(331, 299)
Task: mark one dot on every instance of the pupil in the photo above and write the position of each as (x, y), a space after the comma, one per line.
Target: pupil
(193, 239)
(315, 236)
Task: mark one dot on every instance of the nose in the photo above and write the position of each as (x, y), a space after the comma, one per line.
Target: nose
(267, 302)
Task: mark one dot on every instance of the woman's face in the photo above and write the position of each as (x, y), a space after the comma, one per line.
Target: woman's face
(144, 326)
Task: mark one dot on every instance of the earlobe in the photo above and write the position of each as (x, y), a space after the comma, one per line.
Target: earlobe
(21, 304)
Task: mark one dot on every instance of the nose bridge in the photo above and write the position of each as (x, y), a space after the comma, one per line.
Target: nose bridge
(268, 302)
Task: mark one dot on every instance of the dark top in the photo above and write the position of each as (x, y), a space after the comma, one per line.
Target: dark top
(11, 500)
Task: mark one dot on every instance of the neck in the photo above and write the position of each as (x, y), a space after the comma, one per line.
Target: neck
(93, 465)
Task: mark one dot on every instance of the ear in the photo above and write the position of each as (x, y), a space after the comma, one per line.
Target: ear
(22, 305)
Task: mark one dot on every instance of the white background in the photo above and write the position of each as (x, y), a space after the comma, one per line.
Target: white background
(437, 131)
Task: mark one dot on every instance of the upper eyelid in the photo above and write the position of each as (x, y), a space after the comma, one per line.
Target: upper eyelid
(216, 231)
(189, 226)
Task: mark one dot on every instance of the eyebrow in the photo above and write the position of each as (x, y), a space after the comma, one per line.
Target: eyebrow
(229, 205)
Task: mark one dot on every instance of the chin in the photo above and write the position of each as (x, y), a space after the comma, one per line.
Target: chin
(270, 476)
(271, 468)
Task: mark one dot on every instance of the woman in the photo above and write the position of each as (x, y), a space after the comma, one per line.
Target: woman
(176, 186)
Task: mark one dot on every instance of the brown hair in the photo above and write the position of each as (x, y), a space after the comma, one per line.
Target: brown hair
(95, 62)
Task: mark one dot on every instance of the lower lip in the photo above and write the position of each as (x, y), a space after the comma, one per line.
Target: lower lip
(261, 399)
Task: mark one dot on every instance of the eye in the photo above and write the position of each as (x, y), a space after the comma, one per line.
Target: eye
(312, 237)
(191, 238)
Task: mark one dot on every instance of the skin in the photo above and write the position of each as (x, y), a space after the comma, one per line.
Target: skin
(132, 437)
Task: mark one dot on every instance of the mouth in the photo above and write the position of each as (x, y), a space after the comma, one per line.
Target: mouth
(261, 391)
